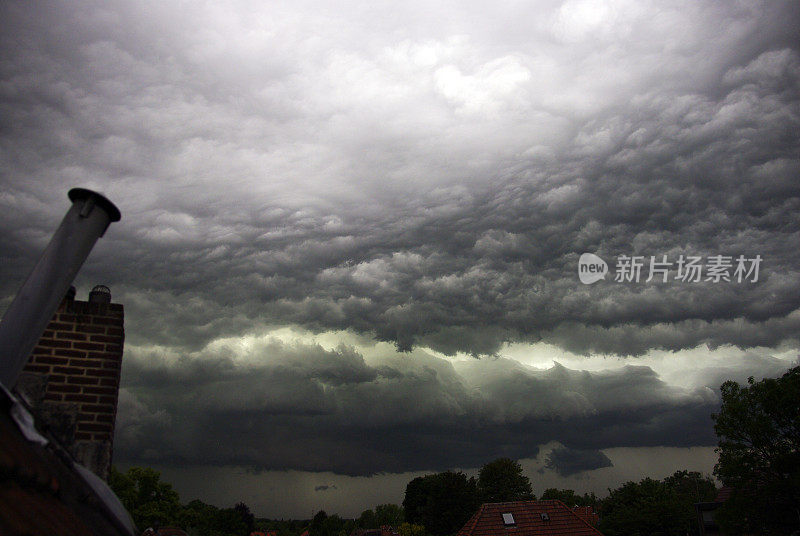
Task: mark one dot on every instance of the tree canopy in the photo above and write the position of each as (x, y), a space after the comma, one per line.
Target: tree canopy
(145, 496)
(758, 427)
(656, 507)
(502, 480)
(441, 502)
(569, 497)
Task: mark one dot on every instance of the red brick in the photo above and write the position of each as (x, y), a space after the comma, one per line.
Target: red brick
(68, 370)
(42, 369)
(102, 372)
(56, 378)
(94, 427)
(70, 353)
(61, 326)
(66, 317)
(47, 360)
(105, 321)
(105, 436)
(105, 418)
(109, 381)
(50, 343)
(80, 398)
(41, 350)
(82, 380)
(83, 435)
(48, 334)
(116, 331)
(102, 355)
(86, 417)
(56, 388)
(53, 396)
(100, 390)
(97, 408)
(88, 346)
(115, 348)
(85, 362)
(107, 400)
(71, 336)
(105, 338)
(111, 365)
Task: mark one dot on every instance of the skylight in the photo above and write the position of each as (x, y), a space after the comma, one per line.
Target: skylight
(508, 519)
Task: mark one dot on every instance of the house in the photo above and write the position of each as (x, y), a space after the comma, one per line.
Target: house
(706, 511)
(527, 518)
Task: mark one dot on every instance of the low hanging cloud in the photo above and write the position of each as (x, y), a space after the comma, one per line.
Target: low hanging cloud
(566, 461)
(277, 405)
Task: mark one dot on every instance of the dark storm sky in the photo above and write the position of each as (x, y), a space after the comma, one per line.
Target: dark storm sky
(350, 234)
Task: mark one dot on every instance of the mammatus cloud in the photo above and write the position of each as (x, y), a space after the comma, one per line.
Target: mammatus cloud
(422, 187)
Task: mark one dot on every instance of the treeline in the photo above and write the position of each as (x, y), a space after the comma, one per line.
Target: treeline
(434, 505)
(759, 457)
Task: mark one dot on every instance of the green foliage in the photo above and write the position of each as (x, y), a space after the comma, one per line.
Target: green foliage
(201, 519)
(145, 496)
(758, 427)
(441, 502)
(151, 501)
(246, 516)
(409, 529)
(325, 525)
(656, 507)
(570, 498)
(384, 514)
(367, 520)
(502, 480)
(389, 514)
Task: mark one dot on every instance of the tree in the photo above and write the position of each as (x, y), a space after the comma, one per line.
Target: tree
(389, 514)
(502, 480)
(656, 507)
(367, 520)
(408, 529)
(145, 496)
(247, 517)
(441, 502)
(325, 525)
(570, 498)
(758, 427)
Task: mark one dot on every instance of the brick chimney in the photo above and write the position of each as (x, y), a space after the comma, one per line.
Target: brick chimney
(72, 377)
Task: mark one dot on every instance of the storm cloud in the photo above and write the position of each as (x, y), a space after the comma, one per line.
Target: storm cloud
(566, 461)
(272, 406)
(443, 198)
(421, 176)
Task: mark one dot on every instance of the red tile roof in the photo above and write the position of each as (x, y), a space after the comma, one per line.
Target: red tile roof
(587, 513)
(488, 520)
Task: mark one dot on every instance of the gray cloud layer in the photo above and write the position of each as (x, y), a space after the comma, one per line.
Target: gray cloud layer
(426, 189)
(424, 175)
(280, 406)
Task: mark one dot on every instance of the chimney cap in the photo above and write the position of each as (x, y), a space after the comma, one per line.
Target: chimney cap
(82, 193)
(100, 294)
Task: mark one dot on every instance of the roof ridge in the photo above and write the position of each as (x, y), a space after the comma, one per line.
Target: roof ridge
(571, 511)
(473, 521)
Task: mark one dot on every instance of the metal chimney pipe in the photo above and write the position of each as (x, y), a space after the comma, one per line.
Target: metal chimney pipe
(37, 300)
